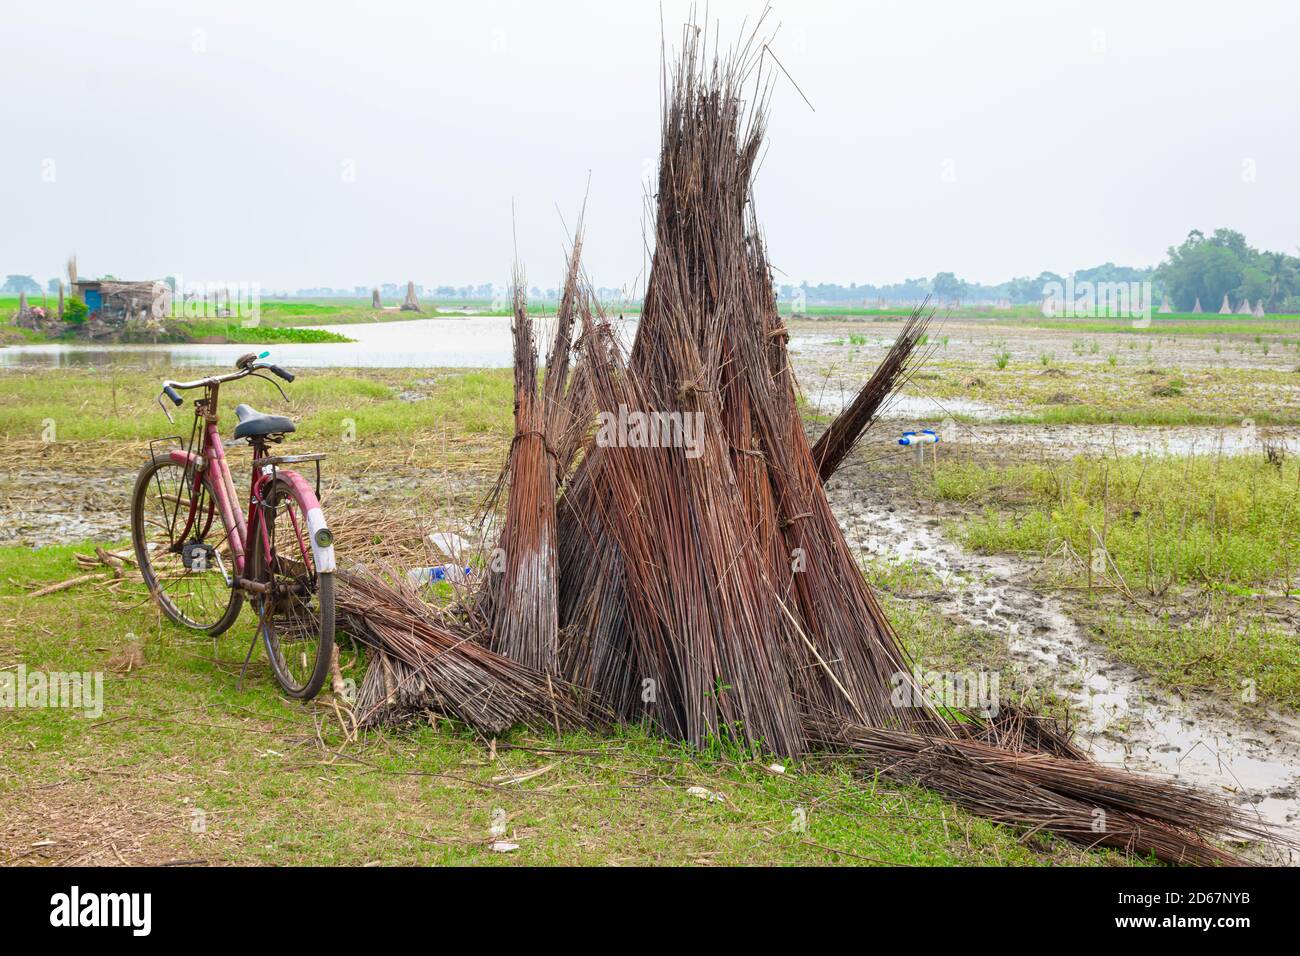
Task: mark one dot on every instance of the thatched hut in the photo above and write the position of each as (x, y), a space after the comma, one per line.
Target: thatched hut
(113, 304)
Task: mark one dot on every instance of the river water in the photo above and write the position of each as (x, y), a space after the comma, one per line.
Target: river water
(479, 342)
(485, 342)
(482, 342)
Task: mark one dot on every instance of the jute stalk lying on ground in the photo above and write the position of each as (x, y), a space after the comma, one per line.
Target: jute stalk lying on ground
(420, 665)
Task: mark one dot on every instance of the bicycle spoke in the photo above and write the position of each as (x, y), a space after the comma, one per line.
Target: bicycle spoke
(292, 620)
(198, 597)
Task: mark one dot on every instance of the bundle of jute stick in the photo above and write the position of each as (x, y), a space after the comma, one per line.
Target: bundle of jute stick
(669, 556)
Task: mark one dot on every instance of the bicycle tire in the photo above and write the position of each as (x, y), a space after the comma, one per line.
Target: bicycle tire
(324, 599)
(144, 484)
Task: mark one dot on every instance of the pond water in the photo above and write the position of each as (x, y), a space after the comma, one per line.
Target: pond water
(920, 408)
(482, 342)
(1117, 440)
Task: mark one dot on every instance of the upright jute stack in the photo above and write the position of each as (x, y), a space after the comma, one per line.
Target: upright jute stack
(669, 556)
(412, 302)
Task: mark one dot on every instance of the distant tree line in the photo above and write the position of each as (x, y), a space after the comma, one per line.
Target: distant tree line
(1204, 268)
(947, 287)
(15, 284)
(1223, 264)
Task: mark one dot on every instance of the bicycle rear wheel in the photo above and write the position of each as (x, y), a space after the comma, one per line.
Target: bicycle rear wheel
(296, 613)
(182, 548)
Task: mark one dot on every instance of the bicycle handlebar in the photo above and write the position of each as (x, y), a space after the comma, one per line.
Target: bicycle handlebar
(243, 371)
(246, 367)
(211, 380)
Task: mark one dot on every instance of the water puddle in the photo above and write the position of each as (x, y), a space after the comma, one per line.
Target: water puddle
(1115, 440)
(1127, 720)
(913, 408)
(481, 342)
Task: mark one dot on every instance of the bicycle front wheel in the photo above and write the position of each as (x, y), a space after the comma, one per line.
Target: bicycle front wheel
(182, 548)
(296, 611)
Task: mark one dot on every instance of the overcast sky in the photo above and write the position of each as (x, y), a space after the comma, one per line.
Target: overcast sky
(299, 144)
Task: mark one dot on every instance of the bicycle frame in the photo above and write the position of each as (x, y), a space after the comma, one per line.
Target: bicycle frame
(210, 466)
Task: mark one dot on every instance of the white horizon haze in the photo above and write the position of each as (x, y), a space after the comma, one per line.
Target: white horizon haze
(297, 145)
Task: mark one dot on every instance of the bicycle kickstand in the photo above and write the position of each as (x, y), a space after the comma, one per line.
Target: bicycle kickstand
(251, 647)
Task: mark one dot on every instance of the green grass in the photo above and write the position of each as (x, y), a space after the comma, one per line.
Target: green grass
(343, 311)
(1213, 521)
(279, 320)
(1236, 655)
(938, 644)
(177, 735)
(188, 330)
(299, 312)
(274, 782)
(1031, 316)
(1208, 549)
(237, 332)
(1176, 325)
(15, 335)
(1154, 415)
(934, 643)
(1047, 391)
(178, 730)
(119, 404)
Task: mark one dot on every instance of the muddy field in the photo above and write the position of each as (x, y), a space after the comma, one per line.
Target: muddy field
(977, 340)
(1125, 718)
(62, 495)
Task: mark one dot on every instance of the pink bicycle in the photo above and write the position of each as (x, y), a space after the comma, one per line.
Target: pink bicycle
(201, 555)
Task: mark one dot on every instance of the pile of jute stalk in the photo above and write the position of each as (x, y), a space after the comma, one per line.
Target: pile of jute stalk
(688, 574)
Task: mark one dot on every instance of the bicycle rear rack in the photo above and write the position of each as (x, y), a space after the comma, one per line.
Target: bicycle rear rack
(274, 461)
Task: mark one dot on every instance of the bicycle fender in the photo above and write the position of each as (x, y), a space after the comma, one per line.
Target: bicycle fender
(322, 555)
